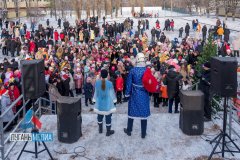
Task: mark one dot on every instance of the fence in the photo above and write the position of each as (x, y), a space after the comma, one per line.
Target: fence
(5, 150)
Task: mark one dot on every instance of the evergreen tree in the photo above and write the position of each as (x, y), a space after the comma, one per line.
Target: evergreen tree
(209, 51)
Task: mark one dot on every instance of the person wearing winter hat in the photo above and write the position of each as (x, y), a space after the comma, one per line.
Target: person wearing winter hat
(105, 99)
(139, 102)
(88, 91)
(5, 103)
(172, 82)
(205, 88)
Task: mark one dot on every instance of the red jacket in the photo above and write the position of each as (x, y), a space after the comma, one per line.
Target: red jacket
(56, 35)
(32, 47)
(14, 94)
(28, 35)
(172, 23)
(119, 84)
(158, 25)
(62, 36)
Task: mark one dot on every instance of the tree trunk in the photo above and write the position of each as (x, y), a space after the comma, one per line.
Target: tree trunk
(99, 8)
(111, 8)
(233, 16)
(93, 8)
(133, 6)
(27, 8)
(88, 9)
(117, 5)
(105, 7)
(141, 6)
(121, 7)
(217, 12)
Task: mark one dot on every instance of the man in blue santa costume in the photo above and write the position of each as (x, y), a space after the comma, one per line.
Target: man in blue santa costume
(139, 102)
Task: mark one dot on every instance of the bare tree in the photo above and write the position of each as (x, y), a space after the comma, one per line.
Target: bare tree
(93, 7)
(235, 4)
(189, 5)
(105, 7)
(117, 6)
(88, 8)
(111, 8)
(78, 8)
(99, 3)
(133, 2)
(141, 3)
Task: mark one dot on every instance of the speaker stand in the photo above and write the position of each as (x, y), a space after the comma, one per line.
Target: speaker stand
(36, 152)
(223, 136)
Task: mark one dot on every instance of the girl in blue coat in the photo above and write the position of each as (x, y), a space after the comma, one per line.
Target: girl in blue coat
(105, 99)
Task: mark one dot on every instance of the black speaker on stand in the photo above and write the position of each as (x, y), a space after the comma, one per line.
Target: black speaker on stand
(224, 84)
(191, 112)
(33, 87)
(69, 119)
(33, 78)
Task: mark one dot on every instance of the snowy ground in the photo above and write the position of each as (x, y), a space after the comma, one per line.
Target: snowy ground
(164, 141)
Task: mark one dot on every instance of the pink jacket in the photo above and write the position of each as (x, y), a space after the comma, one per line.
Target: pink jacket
(78, 79)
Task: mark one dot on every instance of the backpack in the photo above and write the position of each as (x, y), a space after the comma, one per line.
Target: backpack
(149, 81)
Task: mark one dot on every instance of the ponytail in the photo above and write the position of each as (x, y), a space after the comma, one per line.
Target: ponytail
(103, 84)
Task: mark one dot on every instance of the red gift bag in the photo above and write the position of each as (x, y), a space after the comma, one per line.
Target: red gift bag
(149, 81)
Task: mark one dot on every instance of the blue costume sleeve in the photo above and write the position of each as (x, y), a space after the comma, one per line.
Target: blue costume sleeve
(95, 93)
(112, 94)
(129, 84)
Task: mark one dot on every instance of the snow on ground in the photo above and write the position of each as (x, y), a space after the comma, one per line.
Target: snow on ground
(164, 141)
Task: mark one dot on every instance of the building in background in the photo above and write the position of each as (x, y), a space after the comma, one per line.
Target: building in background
(20, 8)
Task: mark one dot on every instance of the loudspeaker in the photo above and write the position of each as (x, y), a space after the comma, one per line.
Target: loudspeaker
(69, 120)
(224, 76)
(33, 78)
(191, 120)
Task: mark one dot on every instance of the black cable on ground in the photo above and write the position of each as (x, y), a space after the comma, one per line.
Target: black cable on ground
(75, 153)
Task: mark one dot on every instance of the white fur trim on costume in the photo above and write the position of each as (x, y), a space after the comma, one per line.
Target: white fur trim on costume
(94, 100)
(115, 101)
(137, 117)
(127, 95)
(104, 112)
(108, 125)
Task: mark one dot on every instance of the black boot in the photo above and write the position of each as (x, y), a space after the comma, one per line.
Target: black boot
(109, 131)
(127, 132)
(144, 128)
(100, 130)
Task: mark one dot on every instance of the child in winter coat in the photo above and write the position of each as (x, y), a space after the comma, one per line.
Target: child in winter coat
(14, 93)
(78, 78)
(5, 103)
(180, 32)
(164, 95)
(156, 97)
(119, 86)
(88, 91)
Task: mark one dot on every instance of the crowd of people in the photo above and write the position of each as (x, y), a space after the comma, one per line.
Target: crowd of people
(77, 56)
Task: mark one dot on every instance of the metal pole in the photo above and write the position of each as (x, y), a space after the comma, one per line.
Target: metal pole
(230, 121)
(2, 138)
(171, 7)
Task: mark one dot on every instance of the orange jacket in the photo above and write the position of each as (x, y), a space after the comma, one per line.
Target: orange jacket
(163, 89)
(220, 31)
